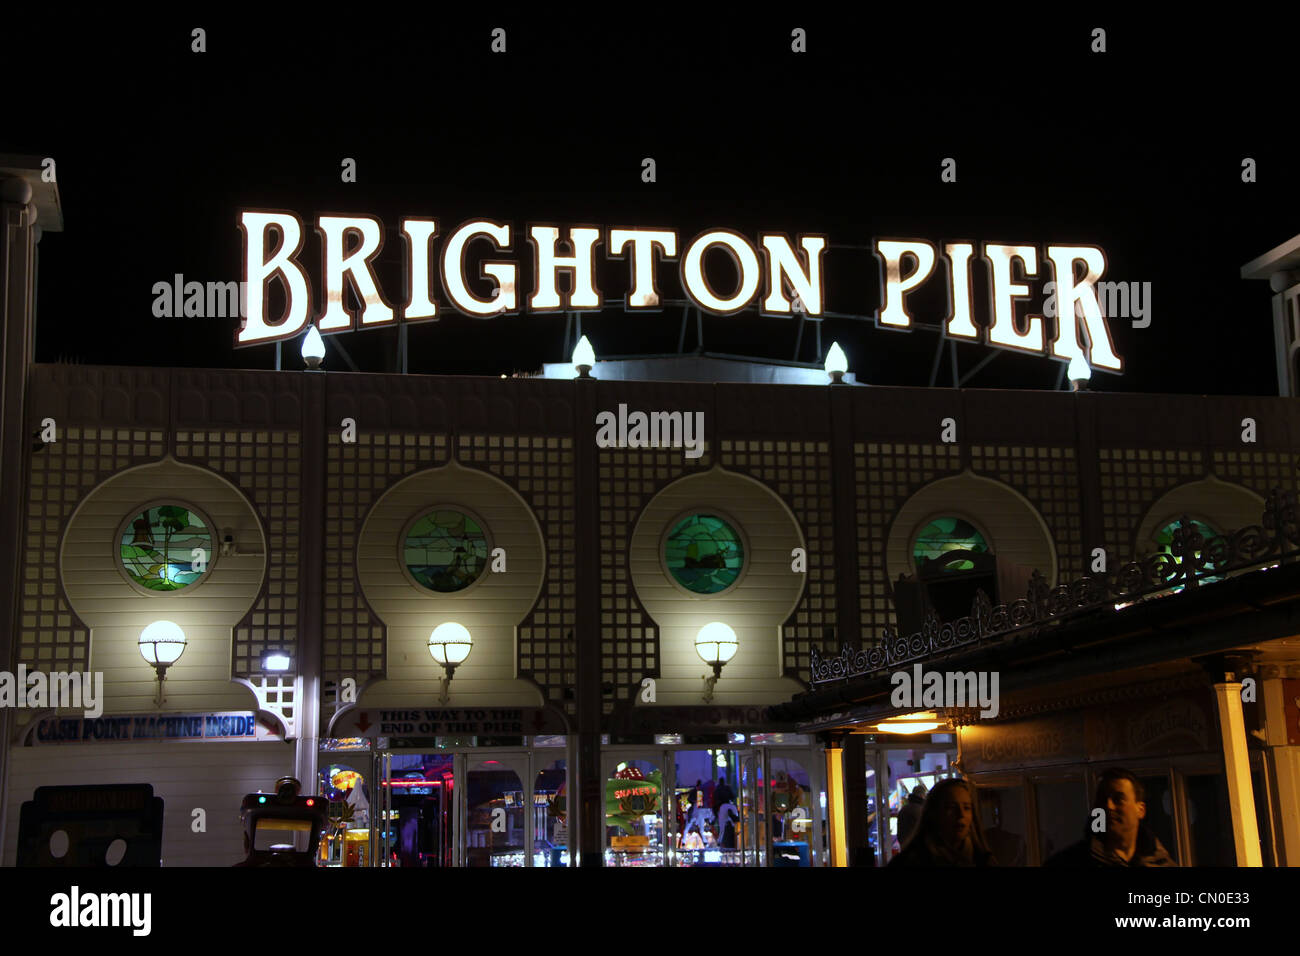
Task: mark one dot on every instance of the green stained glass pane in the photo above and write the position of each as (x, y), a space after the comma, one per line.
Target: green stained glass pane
(1165, 541)
(1165, 536)
(948, 534)
(445, 551)
(704, 554)
(157, 548)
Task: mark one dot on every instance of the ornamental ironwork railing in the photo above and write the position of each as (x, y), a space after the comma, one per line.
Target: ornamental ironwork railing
(1191, 561)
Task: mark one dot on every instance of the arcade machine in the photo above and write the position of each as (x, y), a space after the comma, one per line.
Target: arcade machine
(347, 837)
(268, 817)
(94, 825)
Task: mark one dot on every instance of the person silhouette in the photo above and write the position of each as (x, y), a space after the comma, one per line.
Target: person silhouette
(949, 832)
(1126, 841)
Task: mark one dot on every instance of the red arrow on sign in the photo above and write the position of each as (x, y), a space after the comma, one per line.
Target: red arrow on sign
(363, 722)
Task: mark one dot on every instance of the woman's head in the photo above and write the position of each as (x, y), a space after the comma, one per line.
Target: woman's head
(951, 815)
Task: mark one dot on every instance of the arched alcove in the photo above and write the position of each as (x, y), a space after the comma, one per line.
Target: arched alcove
(207, 611)
(491, 607)
(755, 605)
(1012, 527)
(1222, 505)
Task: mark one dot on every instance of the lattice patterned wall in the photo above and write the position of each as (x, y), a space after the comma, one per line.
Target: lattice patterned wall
(800, 472)
(51, 637)
(1049, 479)
(1259, 471)
(629, 638)
(1132, 480)
(540, 468)
(357, 474)
(265, 466)
(887, 475)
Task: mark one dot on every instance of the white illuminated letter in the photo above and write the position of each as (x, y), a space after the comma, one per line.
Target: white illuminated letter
(891, 252)
(960, 323)
(583, 294)
(1067, 343)
(453, 269)
(745, 259)
(1003, 331)
(258, 270)
(419, 243)
(644, 294)
(782, 263)
(334, 232)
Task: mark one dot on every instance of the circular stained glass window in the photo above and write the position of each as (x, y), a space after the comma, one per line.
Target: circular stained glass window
(165, 547)
(1165, 536)
(445, 550)
(948, 534)
(704, 554)
(1165, 542)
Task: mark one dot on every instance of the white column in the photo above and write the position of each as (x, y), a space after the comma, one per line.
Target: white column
(1284, 759)
(307, 717)
(1236, 760)
(18, 237)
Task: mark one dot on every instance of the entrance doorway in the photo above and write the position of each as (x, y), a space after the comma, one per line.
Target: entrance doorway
(417, 809)
(726, 806)
(899, 777)
(446, 805)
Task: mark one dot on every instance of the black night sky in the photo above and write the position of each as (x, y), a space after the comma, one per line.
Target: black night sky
(1137, 150)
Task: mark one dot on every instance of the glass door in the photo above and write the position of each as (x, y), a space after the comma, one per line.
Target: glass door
(753, 819)
(899, 778)
(496, 811)
(705, 818)
(380, 834)
(793, 811)
(414, 819)
(550, 810)
(639, 811)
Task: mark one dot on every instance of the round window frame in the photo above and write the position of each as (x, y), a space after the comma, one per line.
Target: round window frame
(945, 513)
(731, 523)
(1156, 548)
(424, 512)
(129, 520)
(1175, 519)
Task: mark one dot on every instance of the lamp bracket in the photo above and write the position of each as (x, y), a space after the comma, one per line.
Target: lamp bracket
(709, 683)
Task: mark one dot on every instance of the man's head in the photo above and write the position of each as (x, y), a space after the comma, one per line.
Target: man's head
(1124, 799)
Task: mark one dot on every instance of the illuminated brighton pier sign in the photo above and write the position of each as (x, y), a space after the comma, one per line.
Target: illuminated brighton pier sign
(785, 275)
